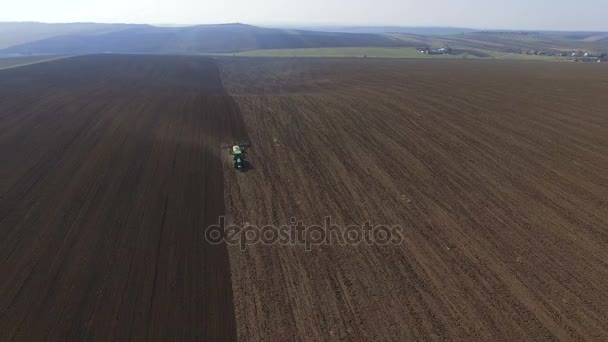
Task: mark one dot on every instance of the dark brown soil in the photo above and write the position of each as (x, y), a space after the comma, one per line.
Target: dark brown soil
(109, 175)
(497, 172)
(111, 169)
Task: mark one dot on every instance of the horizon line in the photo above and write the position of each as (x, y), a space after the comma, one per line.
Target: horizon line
(305, 25)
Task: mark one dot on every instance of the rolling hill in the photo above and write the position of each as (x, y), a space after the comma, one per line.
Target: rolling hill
(17, 39)
(436, 31)
(12, 34)
(195, 39)
(513, 41)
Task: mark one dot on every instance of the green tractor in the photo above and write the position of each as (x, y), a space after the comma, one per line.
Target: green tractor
(238, 155)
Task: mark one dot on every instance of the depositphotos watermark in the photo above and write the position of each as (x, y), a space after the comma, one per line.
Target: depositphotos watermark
(299, 234)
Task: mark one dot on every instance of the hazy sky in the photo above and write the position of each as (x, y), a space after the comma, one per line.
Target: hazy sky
(500, 14)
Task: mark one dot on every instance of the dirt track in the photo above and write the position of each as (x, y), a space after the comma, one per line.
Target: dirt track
(109, 175)
(497, 172)
(15, 62)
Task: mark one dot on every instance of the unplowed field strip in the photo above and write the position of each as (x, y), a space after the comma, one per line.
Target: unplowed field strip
(110, 173)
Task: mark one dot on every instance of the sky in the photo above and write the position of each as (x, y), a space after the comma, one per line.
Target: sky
(482, 14)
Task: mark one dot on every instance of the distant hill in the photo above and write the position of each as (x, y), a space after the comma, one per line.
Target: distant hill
(438, 31)
(12, 34)
(513, 41)
(18, 39)
(193, 39)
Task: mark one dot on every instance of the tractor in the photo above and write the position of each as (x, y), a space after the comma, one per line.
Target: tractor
(238, 155)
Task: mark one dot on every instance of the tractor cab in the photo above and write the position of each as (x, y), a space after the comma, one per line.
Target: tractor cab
(238, 154)
(239, 157)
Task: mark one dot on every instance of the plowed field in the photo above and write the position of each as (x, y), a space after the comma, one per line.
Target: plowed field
(109, 175)
(496, 171)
